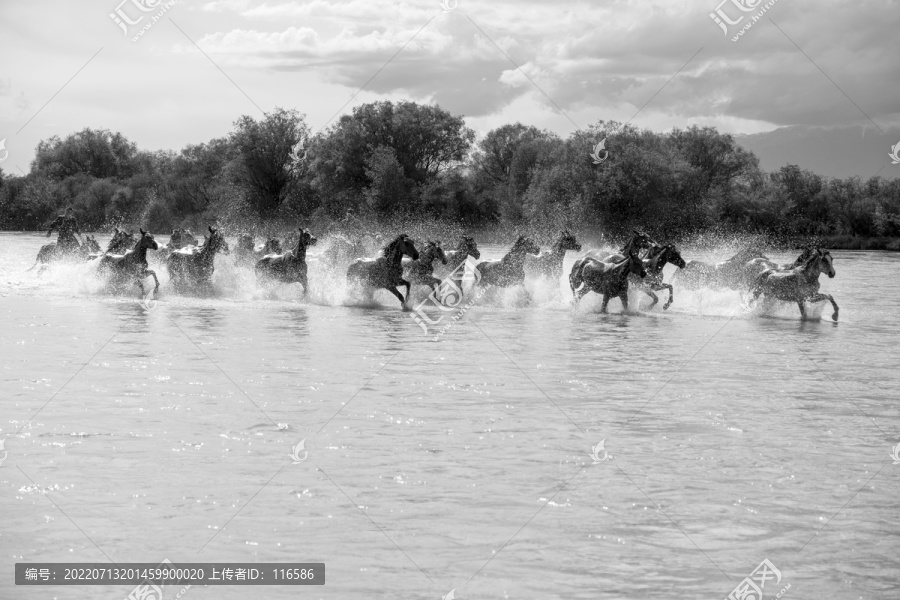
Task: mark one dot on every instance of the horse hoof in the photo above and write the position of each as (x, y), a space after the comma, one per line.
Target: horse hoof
(834, 317)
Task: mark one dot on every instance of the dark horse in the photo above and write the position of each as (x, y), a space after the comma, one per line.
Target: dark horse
(550, 264)
(421, 271)
(193, 265)
(384, 272)
(132, 265)
(289, 267)
(657, 257)
(605, 278)
(509, 270)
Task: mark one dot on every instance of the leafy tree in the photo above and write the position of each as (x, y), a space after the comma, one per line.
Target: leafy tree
(262, 166)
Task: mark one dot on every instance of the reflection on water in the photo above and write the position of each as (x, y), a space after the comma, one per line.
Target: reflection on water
(738, 435)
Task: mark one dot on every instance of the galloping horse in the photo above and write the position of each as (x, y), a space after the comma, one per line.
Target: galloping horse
(800, 284)
(291, 266)
(192, 265)
(509, 270)
(550, 264)
(384, 272)
(606, 278)
(735, 273)
(657, 258)
(466, 248)
(131, 265)
(421, 271)
(51, 252)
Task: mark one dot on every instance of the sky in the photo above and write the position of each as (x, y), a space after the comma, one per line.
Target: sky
(561, 65)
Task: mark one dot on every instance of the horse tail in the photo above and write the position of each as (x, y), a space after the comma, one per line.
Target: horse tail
(576, 278)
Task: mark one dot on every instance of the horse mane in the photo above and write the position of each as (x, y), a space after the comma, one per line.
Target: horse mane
(389, 250)
(814, 255)
(557, 245)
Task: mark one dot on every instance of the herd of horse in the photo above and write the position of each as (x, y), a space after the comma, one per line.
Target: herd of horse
(639, 264)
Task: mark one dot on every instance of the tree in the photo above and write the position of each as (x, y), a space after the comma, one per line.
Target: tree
(262, 166)
(424, 141)
(98, 153)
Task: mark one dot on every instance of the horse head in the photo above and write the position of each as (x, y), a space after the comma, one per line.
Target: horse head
(468, 247)
(826, 262)
(216, 242)
(91, 243)
(526, 245)
(402, 245)
(147, 241)
(674, 256)
(306, 239)
(433, 251)
(567, 241)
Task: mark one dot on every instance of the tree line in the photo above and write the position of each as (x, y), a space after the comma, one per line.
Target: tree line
(413, 162)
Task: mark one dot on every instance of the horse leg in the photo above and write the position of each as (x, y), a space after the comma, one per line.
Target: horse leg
(408, 286)
(605, 302)
(649, 292)
(153, 273)
(802, 310)
(304, 281)
(671, 295)
(397, 293)
(624, 298)
(820, 297)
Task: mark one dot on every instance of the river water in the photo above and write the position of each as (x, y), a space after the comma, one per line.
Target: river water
(460, 464)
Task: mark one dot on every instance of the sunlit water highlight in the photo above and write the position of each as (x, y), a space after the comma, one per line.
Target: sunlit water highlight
(732, 437)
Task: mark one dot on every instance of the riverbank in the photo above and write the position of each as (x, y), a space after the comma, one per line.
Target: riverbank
(850, 242)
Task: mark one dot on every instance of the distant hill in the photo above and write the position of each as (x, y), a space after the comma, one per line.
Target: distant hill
(833, 152)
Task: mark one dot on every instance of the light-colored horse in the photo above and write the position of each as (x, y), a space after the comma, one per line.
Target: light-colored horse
(191, 266)
(509, 270)
(550, 264)
(800, 284)
(291, 266)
